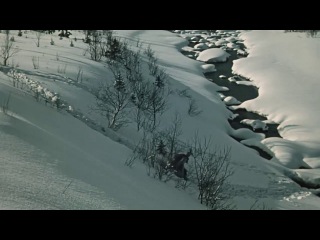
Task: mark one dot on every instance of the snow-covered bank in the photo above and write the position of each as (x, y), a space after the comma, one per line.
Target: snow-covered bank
(80, 163)
(285, 67)
(186, 71)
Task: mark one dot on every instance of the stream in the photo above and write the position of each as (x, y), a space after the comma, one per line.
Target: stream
(239, 91)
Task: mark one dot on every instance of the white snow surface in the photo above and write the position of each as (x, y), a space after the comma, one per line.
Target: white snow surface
(231, 101)
(213, 55)
(208, 68)
(51, 160)
(285, 68)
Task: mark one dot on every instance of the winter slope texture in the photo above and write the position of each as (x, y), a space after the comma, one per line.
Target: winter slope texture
(51, 160)
(285, 67)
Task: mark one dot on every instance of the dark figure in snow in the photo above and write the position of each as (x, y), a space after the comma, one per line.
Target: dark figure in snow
(177, 164)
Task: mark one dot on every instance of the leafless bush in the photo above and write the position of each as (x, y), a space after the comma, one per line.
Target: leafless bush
(62, 69)
(155, 160)
(172, 135)
(184, 93)
(5, 104)
(95, 44)
(182, 183)
(139, 43)
(139, 98)
(38, 37)
(193, 108)
(258, 206)
(211, 170)
(35, 62)
(7, 48)
(157, 106)
(152, 61)
(149, 52)
(112, 101)
(80, 74)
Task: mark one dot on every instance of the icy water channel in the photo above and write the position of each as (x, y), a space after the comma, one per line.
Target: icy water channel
(241, 93)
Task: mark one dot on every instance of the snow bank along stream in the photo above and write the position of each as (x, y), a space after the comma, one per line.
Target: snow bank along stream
(237, 89)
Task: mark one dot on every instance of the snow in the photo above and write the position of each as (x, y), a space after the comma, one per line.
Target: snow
(255, 124)
(232, 79)
(208, 68)
(284, 66)
(222, 76)
(310, 176)
(52, 160)
(201, 46)
(187, 49)
(231, 39)
(213, 55)
(221, 42)
(41, 155)
(232, 45)
(231, 101)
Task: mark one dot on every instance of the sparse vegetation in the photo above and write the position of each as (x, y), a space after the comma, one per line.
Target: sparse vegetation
(212, 170)
(80, 75)
(62, 69)
(95, 43)
(5, 104)
(35, 62)
(7, 48)
(113, 101)
(38, 37)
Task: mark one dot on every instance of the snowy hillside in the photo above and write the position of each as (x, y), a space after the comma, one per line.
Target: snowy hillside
(70, 159)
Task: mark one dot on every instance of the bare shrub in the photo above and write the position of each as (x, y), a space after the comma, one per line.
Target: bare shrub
(62, 69)
(95, 46)
(211, 171)
(38, 37)
(184, 93)
(7, 48)
(35, 62)
(5, 104)
(80, 74)
(112, 102)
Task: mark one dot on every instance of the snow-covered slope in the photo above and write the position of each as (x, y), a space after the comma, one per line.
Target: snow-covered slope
(51, 160)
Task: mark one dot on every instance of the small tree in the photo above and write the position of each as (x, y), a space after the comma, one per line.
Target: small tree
(95, 47)
(172, 135)
(157, 104)
(141, 102)
(212, 170)
(38, 37)
(112, 101)
(7, 49)
(161, 148)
